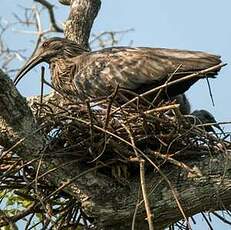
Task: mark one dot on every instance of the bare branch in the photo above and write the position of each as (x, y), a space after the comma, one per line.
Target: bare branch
(49, 7)
(65, 2)
(80, 20)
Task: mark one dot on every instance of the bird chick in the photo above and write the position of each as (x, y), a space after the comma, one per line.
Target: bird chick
(204, 117)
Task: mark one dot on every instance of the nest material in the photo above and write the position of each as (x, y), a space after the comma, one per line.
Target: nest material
(105, 133)
(106, 138)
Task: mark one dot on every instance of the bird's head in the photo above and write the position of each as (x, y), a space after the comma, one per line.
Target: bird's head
(206, 117)
(48, 51)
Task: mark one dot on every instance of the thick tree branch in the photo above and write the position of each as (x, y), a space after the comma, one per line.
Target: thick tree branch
(16, 121)
(80, 20)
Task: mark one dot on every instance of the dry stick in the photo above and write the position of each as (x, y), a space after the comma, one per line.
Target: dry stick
(54, 169)
(135, 212)
(36, 224)
(11, 168)
(210, 91)
(19, 142)
(146, 201)
(91, 124)
(42, 89)
(207, 221)
(136, 95)
(171, 83)
(193, 126)
(12, 147)
(144, 155)
(42, 83)
(73, 179)
(163, 108)
(49, 7)
(142, 180)
(14, 171)
(111, 99)
(166, 82)
(36, 185)
(159, 109)
(29, 221)
(63, 94)
(175, 162)
(111, 33)
(221, 218)
(11, 220)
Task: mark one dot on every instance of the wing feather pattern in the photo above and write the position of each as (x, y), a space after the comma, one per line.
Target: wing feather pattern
(140, 68)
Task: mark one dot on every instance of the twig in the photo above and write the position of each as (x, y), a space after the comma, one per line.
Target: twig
(73, 179)
(91, 125)
(221, 218)
(155, 110)
(49, 7)
(135, 211)
(175, 162)
(146, 201)
(166, 82)
(210, 91)
(42, 88)
(142, 181)
(111, 98)
(42, 83)
(20, 215)
(207, 221)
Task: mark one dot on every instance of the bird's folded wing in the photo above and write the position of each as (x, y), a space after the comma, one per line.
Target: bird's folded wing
(133, 68)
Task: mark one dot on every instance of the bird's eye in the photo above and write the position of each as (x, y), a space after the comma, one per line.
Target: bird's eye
(45, 44)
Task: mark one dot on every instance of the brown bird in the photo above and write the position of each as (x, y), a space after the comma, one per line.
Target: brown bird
(85, 74)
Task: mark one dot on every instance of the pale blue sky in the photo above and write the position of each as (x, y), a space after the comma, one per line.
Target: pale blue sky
(192, 24)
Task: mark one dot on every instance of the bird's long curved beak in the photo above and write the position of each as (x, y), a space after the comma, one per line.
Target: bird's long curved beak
(33, 61)
(219, 128)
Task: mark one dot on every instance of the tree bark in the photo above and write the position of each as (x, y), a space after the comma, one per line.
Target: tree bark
(80, 20)
(110, 203)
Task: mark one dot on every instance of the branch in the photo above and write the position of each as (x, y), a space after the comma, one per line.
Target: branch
(49, 7)
(20, 215)
(80, 20)
(65, 2)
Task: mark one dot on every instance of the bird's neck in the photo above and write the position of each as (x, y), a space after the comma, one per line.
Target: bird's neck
(58, 65)
(61, 76)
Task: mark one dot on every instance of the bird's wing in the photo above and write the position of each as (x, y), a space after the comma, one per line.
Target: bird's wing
(137, 68)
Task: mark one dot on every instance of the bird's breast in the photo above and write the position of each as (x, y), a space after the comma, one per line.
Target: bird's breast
(77, 79)
(62, 75)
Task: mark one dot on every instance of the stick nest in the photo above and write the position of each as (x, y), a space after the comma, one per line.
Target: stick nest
(101, 137)
(103, 133)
